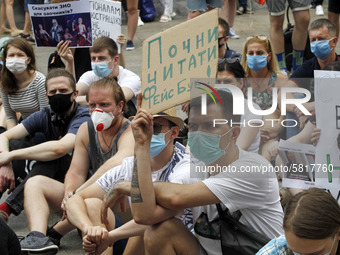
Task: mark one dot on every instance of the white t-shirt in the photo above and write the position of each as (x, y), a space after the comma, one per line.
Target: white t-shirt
(125, 78)
(255, 119)
(176, 171)
(256, 195)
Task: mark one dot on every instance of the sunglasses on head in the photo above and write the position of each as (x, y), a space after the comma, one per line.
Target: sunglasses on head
(261, 37)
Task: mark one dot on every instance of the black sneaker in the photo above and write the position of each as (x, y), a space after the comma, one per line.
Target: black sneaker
(34, 243)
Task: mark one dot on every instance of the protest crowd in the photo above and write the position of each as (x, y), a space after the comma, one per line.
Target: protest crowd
(240, 163)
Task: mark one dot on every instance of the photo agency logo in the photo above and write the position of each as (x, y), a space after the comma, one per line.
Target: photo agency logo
(286, 96)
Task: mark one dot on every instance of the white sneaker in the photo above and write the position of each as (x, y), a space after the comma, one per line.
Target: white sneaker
(319, 10)
(232, 33)
(173, 14)
(140, 22)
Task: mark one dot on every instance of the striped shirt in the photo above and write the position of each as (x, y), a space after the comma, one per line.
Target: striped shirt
(28, 100)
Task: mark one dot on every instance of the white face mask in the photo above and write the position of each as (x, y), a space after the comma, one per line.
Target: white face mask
(101, 120)
(16, 65)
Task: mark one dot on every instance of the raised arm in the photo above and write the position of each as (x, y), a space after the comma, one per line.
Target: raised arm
(66, 56)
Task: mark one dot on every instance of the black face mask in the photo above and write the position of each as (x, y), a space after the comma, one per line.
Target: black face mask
(60, 103)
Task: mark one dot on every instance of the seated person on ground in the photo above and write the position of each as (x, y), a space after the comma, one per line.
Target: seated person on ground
(105, 63)
(106, 138)
(169, 163)
(255, 194)
(59, 123)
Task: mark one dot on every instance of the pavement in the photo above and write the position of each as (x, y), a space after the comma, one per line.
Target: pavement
(245, 25)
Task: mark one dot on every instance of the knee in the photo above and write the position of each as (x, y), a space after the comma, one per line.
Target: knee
(154, 234)
(302, 21)
(276, 23)
(35, 182)
(93, 204)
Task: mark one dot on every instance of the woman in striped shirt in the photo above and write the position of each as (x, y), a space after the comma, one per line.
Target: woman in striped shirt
(22, 87)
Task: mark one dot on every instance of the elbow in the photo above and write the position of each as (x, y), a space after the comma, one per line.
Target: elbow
(60, 151)
(144, 219)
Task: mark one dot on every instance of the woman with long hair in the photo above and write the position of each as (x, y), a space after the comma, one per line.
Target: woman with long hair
(22, 86)
(263, 75)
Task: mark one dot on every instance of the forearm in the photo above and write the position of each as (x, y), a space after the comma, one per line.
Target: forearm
(77, 212)
(127, 230)
(73, 181)
(4, 143)
(42, 152)
(143, 200)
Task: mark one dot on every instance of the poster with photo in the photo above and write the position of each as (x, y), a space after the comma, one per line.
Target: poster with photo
(298, 169)
(68, 21)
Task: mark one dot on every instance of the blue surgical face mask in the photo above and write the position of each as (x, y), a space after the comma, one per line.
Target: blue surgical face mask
(101, 69)
(321, 49)
(256, 63)
(205, 146)
(158, 144)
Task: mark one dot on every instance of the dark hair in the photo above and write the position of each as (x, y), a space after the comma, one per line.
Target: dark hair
(58, 72)
(224, 24)
(320, 23)
(334, 66)
(227, 105)
(117, 92)
(312, 214)
(231, 66)
(103, 43)
(8, 80)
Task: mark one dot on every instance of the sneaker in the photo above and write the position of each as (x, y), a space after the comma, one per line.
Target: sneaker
(232, 34)
(240, 10)
(319, 10)
(34, 243)
(165, 18)
(249, 11)
(173, 14)
(140, 22)
(129, 45)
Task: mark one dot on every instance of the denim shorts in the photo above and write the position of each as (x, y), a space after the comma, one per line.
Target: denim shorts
(278, 7)
(202, 5)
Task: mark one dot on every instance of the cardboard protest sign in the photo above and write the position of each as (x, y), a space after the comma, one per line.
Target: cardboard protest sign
(327, 109)
(68, 21)
(106, 19)
(298, 169)
(171, 58)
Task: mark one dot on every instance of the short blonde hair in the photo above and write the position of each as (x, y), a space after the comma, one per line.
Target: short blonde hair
(272, 64)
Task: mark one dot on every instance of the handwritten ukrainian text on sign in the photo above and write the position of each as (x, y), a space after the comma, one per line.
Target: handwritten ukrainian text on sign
(106, 19)
(171, 58)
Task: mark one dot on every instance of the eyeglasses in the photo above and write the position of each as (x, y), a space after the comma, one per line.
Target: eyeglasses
(228, 60)
(261, 37)
(157, 128)
(296, 253)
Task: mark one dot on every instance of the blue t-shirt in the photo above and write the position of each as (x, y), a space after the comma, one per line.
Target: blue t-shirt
(38, 122)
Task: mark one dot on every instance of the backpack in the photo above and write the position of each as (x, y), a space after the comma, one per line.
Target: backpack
(287, 33)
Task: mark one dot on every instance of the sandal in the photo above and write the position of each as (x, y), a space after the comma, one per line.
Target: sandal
(165, 18)
(27, 37)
